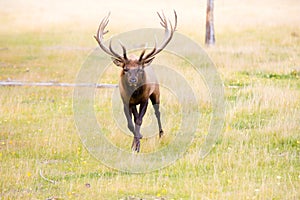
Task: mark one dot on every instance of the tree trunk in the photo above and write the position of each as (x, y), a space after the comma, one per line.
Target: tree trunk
(210, 32)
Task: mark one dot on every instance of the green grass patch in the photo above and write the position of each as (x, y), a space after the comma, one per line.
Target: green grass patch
(246, 119)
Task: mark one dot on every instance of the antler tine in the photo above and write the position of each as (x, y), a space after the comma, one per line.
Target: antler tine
(102, 26)
(163, 20)
(171, 26)
(113, 53)
(168, 34)
(150, 53)
(142, 54)
(124, 50)
(175, 25)
(99, 39)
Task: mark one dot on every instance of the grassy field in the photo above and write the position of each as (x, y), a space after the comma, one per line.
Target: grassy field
(257, 155)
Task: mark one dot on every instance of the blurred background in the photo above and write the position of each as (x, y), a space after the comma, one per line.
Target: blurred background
(34, 15)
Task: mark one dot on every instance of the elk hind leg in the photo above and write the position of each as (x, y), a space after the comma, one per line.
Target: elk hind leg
(155, 102)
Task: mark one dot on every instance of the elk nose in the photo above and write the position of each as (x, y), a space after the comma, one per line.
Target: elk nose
(133, 80)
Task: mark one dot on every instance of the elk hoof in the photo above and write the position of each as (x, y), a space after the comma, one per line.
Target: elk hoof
(161, 133)
(136, 144)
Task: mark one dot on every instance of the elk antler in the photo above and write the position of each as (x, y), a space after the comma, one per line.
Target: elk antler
(109, 50)
(168, 36)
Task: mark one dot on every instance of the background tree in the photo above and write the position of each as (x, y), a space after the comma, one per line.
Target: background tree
(210, 32)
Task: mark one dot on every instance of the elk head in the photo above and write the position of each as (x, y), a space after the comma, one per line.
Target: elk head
(133, 67)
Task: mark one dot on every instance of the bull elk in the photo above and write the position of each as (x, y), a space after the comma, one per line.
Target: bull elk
(137, 80)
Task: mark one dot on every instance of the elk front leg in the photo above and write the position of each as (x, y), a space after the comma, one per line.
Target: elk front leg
(128, 114)
(135, 113)
(129, 110)
(138, 119)
(137, 136)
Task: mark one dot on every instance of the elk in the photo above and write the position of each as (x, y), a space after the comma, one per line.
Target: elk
(137, 80)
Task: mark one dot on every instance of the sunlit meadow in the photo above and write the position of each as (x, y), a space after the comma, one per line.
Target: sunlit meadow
(257, 55)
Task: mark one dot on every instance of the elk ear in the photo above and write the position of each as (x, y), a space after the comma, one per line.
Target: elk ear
(148, 62)
(117, 62)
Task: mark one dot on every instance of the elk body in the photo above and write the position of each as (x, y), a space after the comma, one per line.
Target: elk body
(137, 80)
